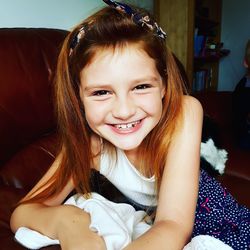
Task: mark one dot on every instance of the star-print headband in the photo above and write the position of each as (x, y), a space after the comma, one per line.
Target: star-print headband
(138, 18)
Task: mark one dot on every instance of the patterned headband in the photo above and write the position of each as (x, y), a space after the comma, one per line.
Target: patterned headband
(138, 18)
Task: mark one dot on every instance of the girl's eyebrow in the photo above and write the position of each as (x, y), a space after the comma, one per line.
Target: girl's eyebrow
(107, 86)
(146, 79)
(97, 86)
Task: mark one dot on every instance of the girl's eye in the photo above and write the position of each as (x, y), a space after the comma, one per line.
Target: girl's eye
(143, 86)
(101, 93)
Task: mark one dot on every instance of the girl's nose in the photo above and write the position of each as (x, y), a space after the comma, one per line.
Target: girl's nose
(123, 108)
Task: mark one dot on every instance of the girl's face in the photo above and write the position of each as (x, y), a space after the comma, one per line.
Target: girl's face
(122, 94)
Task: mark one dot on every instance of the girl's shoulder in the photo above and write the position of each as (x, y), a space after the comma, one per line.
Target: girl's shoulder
(191, 115)
(191, 108)
(191, 103)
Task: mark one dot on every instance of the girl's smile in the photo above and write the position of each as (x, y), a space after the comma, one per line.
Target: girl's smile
(126, 128)
(122, 93)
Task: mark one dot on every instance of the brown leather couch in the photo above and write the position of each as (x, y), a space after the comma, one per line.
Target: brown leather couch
(28, 139)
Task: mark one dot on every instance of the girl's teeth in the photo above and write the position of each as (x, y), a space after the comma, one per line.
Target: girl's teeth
(127, 126)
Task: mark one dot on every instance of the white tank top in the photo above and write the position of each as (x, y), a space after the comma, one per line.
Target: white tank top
(128, 179)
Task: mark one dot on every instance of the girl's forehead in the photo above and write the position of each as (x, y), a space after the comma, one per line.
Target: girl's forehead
(113, 57)
(127, 62)
(115, 52)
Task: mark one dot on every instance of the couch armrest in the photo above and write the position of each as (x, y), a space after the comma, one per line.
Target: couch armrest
(26, 168)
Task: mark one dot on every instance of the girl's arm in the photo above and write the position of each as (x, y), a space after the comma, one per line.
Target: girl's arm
(179, 187)
(23, 214)
(64, 222)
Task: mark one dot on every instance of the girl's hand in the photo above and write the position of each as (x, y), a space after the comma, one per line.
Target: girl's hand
(72, 230)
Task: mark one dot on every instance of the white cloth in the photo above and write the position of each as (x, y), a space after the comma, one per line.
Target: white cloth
(117, 223)
(216, 157)
(206, 242)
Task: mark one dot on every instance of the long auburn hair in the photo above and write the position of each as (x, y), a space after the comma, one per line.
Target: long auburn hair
(108, 28)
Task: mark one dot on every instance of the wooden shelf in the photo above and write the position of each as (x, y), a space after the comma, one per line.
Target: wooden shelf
(213, 57)
(182, 20)
(206, 64)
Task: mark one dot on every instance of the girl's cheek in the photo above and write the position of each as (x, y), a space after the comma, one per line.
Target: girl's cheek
(96, 113)
(151, 105)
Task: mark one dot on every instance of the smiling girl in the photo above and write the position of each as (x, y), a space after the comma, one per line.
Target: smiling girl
(120, 99)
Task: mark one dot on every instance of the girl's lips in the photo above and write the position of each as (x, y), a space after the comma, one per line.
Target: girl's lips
(127, 130)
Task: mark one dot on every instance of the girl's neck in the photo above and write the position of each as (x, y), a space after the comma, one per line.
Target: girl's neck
(132, 156)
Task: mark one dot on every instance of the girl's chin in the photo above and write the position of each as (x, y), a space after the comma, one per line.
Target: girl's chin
(127, 146)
